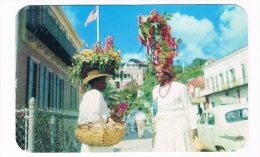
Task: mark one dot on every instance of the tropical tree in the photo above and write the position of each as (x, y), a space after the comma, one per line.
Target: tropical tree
(111, 96)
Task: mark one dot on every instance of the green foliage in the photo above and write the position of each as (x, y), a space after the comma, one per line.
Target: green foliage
(191, 71)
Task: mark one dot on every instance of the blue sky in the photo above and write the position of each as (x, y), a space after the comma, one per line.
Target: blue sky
(208, 31)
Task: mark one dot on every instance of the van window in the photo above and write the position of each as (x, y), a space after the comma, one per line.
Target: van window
(211, 119)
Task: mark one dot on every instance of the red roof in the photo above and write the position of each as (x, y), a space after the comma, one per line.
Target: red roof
(197, 82)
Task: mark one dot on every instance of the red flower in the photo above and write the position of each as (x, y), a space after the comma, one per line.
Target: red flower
(120, 109)
(21, 115)
(155, 16)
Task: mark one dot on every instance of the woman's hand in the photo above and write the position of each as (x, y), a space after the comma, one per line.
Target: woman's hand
(194, 133)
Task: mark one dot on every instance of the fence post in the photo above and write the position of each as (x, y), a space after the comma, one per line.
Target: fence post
(32, 122)
(53, 133)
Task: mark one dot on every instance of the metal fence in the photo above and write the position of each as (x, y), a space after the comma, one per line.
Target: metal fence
(47, 130)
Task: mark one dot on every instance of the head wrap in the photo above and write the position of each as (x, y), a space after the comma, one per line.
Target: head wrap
(168, 68)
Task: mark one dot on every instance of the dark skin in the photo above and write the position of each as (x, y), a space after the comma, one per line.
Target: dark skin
(164, 79)
(100, 84)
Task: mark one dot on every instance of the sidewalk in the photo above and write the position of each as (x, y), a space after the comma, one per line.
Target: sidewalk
(132, 143)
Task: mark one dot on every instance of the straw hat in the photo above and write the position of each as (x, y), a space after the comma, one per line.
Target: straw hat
(94, 74)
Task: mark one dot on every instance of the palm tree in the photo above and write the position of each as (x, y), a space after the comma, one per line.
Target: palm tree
(111, 96)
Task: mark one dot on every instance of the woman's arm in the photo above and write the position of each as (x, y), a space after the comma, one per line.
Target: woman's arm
(190, 112)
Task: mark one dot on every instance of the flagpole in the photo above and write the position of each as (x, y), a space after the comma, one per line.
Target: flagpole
(98, 24)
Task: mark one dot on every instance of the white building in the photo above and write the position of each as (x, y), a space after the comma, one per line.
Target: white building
(226, 80)
(133, 70)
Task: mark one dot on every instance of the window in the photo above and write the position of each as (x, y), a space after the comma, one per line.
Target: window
(46, 87)
(244, 72)
(73, 98)
(203, 118)
(217, 87)
(221, 79)
(237, 115)
(212, 83)
(233, 76)
(211, 119)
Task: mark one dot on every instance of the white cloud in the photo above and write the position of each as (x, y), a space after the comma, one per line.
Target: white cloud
(234, 29)
(140, 56)
(194, 33)
(204, 40)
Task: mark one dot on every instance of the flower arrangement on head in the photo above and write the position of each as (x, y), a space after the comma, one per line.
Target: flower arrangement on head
(103, 57)
(119, 110)
(155, 35)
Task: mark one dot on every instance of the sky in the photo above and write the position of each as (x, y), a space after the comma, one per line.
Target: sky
(207, 31)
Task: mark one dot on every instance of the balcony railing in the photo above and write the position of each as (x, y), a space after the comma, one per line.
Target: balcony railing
(224, 86)
(39, 22)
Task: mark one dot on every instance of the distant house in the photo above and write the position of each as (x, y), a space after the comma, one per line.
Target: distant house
(194, 86)
(133, 70)
(226, 79)
(46, 42)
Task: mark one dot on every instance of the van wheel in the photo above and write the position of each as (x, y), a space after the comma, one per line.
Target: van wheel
(220, 149)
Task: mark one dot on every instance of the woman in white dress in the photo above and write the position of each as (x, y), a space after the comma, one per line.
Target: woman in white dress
(93, 105)
(176, 122)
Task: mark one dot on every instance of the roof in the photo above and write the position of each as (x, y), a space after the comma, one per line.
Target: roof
(199, 81)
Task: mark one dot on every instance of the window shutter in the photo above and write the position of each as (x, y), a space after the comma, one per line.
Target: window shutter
(46, 89)
(72, 97)
(58, 93)
(30, 80)
(54, 93)
(41, 86)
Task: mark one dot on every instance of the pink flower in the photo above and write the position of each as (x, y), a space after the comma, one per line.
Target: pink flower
(109, 43)
(120, 109)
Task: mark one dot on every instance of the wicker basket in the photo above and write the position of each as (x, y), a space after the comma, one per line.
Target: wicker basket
(100, 134)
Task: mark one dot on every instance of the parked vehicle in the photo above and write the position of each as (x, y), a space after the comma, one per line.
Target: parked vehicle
(224, 128)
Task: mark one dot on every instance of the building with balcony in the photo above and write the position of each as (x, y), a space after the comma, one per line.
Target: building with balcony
(226, 80)
(133, 70)
(46, 41)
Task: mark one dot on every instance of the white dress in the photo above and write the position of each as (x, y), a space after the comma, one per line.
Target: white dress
(91, 106)
(174, 119)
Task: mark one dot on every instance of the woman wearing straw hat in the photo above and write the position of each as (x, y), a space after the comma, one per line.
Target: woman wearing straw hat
(93, 105)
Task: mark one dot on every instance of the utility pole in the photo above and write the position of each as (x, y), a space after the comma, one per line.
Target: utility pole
(183, 68)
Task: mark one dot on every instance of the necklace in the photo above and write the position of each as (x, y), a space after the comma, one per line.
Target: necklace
(162, 96)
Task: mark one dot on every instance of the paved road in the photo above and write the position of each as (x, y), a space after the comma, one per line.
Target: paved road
(132, 143)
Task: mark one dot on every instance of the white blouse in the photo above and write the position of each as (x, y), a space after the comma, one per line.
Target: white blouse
(91, 106)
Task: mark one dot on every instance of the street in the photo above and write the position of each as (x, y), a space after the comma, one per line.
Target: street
(132, 143)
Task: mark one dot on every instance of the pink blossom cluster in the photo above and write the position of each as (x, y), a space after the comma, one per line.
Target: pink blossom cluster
(97, 48)
(120, 109)
(109, 43)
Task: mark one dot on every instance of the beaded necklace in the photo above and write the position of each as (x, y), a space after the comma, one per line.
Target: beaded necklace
(162, 96)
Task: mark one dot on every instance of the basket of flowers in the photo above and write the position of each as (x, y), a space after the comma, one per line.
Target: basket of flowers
(155, 35)
(103, 57)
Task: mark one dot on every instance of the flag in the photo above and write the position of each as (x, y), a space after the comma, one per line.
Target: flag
(92, 16)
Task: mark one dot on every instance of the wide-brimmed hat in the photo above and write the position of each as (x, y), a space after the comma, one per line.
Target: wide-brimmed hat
(94, 74)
